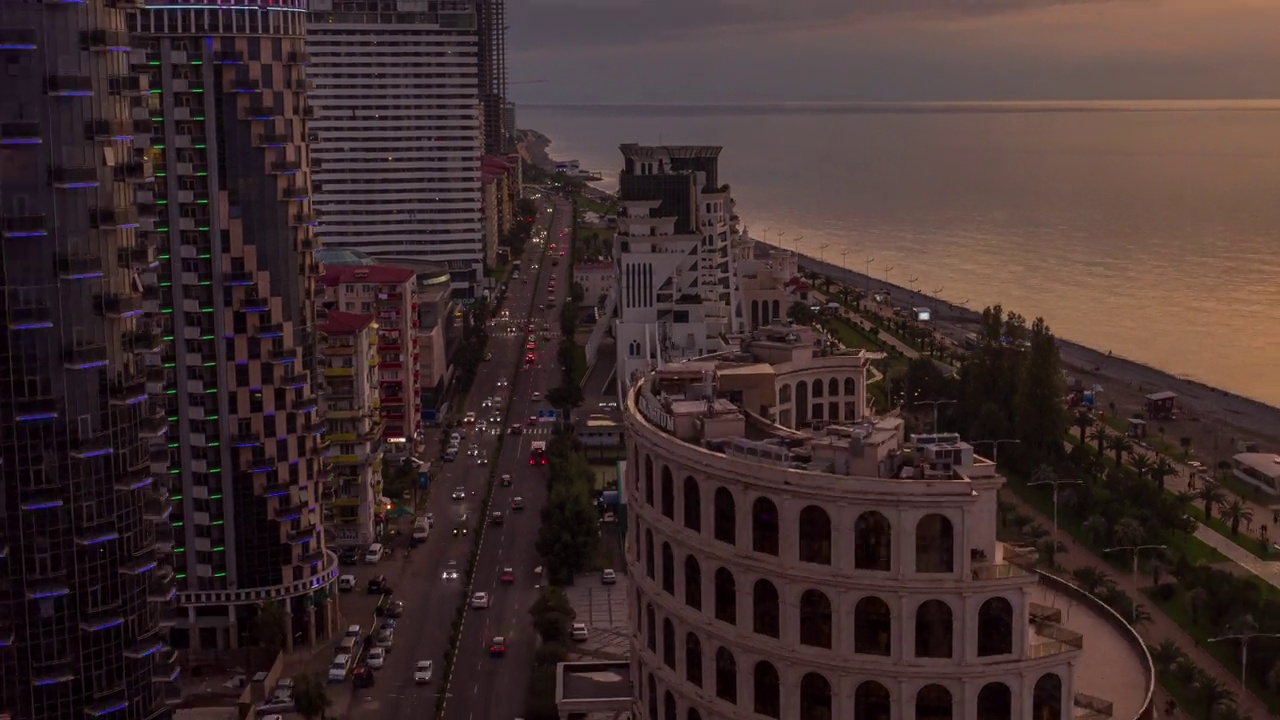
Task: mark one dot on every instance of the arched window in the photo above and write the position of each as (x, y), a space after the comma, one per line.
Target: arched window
(995, 627)
(933, 702)
(648, 553)
(667, 495)
(872, 626)
(935, 545)
(1046, 701)
(755, 313)
(668, 643)
(815, 535)
(726, 597)
(872, 542)
(816, 389)
(764, 605)
(768, 690)
(995, 702)
(653, 698)
(669, 706)
(725, 520)
(692, 505)
(815, 697)
(933, 629)
(815, 619)
(833, 387)
(850, 386)
(693, 715)
(726, 676)
(784, 394)
(651, 629)
(648, 480)
(692, 582)
(776, 307)
(693, 659)
(871, 701)
(764, 526)
(668, 569)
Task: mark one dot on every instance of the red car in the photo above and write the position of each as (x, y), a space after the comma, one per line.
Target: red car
(508, 576)
(498, 647)
(532, 421)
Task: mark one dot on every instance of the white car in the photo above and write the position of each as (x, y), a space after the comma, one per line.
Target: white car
(481, 423)
(376, 658)
(459, 494)
(502, 382)
(488, 402)
(469, 418)
(474, 450)
(451, 571)
(383, 639)
(480, 601)
(346, 583)
(422, 671)
(578, 631)
(455, 439)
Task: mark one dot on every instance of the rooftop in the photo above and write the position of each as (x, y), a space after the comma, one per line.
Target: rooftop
(335, 274)
(344, 323)
(1267, 464)
(641, 152)
(593, 681)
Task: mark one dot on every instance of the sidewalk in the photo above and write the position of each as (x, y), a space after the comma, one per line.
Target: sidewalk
(867, 325)
(1160, 628)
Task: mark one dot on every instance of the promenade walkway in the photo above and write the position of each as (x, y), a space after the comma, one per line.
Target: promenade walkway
(868, 326)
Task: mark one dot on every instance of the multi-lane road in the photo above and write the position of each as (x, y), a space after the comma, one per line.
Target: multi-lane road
(422, 578)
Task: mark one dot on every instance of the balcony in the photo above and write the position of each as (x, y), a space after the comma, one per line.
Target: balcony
(271, 140)
(306, 404)
(287, 167)
(261, 464)
(312, 558)
(105, 41)
(69, 85)
(155, 381)
(300, 536)
(103, 621)
(255, 305)
(298, 58)
(246, 440)
(290, 512)
(53, 676)
(67, 178)
(137, 258)
(156, 509)
(137, 172)
(143, 342)
(114, 218)
(296, 193)
(238, 278)
(268, 331)
(245, 87)
(228, 57)
(276, 489)
(160, 591)
(20, 133)
(282, 355)
(152, 428)
(294, 380)
(339, 372)
(85, 357)
(120, 305)
(305, 218)
(18, 39)
(134, 480)
(144, 648)
(261, 112)
(79, 267)
(160, 460)
(30, 318)
(128, 85)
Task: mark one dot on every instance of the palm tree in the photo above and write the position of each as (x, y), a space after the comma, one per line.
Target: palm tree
(310, 696)
(1141, 464)
(1235, 512)
(1162, 469)
(1213, 694)
(270, 628)
(1099, 436)
(1128, 532)
(1211, 495)
(1140, 615)
(1098, 528)
(1166, 654)
(1185, 442)
(1120, 445)
(1083, 420)
(1197, 600)
(1091, 579)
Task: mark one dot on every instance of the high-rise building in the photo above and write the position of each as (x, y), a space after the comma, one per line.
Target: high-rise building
(85, 595)
(238, 284)
(398, 133)
(491, 28)
(675, 257)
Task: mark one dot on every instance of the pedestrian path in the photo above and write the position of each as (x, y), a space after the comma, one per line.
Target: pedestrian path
(867, 325)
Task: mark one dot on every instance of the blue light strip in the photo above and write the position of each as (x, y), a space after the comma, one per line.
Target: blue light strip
(20, 141)
(85, 276)
(37, 416)
(223, 7)
(90, 365)
(51, 593)
(105, 537)
(18, 46)
(72, 93)
(168, 677)
(80, 185)
(32, 326)
(144, 482)
(266, 336)
(93, 453)
(33, 233)
(99, 712)
(104, 625)
(277, 493)
(45, 505)
(52, 680)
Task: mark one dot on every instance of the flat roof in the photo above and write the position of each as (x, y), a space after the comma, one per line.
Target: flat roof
(1266, 463)
(594, 681)
(1163, 395)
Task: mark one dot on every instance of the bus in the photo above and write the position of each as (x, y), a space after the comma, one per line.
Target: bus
(538, 453)
(515, 266)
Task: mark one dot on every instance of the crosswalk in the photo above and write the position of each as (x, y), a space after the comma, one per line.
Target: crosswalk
(516, 332)
(540, 429)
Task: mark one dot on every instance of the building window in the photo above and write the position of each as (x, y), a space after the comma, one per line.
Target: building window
(815, 619)
(935, 545)
(764, 526)
(995, 702)
(668, 569)
(816, 389)
(726, 676)
(726, 523)
(668, 643)
(648, 553)
(692, 505)
(726, 597)
(692, 582)
(833, 387)
(872, 626)
(871, 701)
(693, 715)
(784, 394)
(815, 535)
(815, 697)
(872, 542)
(653, 697)
(1046, 700)
(850, 386)
(650, 629)
(764, 606)
(668, 495)
(995, 627)
(668, 706)
(933, 629)
(768, 690)
(693, 659)
(933, 702)
(648, 481)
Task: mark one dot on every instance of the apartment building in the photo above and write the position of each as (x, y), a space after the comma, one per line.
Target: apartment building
(236, 301)
(350, 357)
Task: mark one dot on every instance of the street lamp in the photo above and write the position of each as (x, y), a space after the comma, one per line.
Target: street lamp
(1055, 482)
(995, 446)
(867, 274)
(797, 240)
(844, 259)
(935, 404)
(1136, 549)
(822, 253)
(888, 270)
(1244, 639)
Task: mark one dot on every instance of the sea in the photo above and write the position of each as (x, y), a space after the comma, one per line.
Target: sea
(1146, 229)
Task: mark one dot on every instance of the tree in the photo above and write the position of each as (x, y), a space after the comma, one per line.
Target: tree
(1120, 445)
(1164, 655)
(1162, 469)
(1098, 528)
(801, 313)
(1235, 512)
(1211, 494)
(566, 398)
(1141, 464)
(1091, 579)
(1185, 442)
(1083, 420)
(924, 381)
(1099, 435)
(1128, 532)
(270, 628)
(310, 696)
(1213, 695)
(1038, 417)
(570, 527)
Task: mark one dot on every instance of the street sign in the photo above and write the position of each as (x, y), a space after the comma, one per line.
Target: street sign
(547, 416)
(423, 479)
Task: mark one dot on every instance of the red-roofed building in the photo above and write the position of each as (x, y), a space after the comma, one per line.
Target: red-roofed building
(501, 183)
(387, 293)
(349, 360)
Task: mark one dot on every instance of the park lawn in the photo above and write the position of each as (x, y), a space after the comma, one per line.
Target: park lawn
(850, 335)
(590, 204)
(1251, 544)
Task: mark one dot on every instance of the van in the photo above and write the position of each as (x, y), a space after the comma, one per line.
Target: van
(421, 529)
(338, 668)
(347, 583)
(348, 646)
(373, 554)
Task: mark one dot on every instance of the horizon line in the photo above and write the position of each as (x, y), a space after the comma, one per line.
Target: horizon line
(1133, 105)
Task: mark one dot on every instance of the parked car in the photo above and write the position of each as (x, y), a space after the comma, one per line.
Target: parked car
(608, 577)
(376, 658)
(423, 671)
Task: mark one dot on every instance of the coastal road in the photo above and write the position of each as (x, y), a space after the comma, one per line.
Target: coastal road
(495, 688)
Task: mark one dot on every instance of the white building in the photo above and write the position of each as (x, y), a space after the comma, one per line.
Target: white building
(675, 255)
(397, 136)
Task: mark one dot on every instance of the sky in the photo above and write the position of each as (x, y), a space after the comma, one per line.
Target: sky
(753, 51)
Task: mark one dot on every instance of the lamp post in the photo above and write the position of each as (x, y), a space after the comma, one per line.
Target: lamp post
(797, 240)
(935, 404)
(844, 260)
(822, 252)
(1135, 549)
(1056, 482)
(867, 275)
(995, 446)
(888, 270)
(1244, 639)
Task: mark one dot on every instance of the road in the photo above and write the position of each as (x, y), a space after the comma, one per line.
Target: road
(485, 687)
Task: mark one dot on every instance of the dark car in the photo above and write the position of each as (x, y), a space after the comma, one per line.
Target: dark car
(349, 556)
(378, 586)
(496, 518)
(395, 609)
(517, 429)
(362, 677)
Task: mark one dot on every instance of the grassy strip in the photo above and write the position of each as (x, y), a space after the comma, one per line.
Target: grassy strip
(850, 335)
